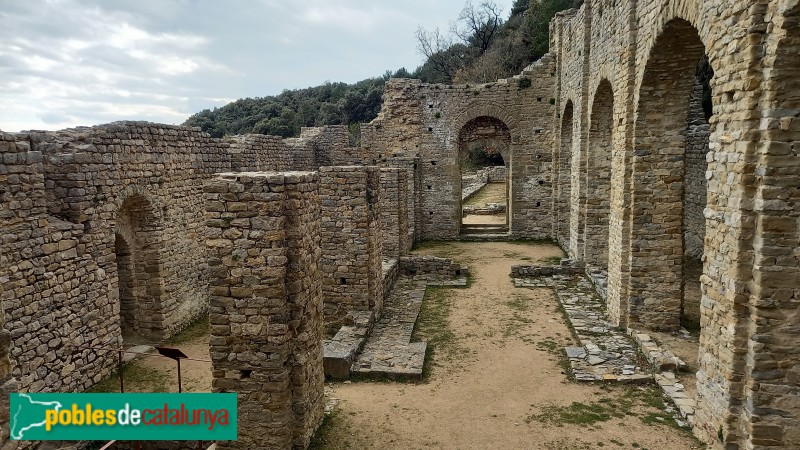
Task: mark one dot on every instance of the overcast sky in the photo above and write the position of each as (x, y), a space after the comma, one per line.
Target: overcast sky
(65, 63)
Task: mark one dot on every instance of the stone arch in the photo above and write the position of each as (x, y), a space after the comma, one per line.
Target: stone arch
(488, 110)
(137, 241)
(563, 183)
(656, 255)
(596, 172)
(657, 279)
(487, 132)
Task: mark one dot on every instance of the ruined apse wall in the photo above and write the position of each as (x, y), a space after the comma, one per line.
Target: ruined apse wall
(648, 52)
(263, 241)
(424, 121)
(74, 200)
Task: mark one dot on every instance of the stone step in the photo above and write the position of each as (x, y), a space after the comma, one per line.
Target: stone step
(484, 237)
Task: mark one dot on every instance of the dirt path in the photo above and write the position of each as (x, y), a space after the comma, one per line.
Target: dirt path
(496, 379)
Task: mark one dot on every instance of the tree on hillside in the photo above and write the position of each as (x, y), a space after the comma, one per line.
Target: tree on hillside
(469, 37)
(477, 26)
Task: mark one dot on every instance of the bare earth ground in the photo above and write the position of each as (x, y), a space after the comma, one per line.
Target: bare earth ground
(496, 379)
(484, 219)
(158, 374)
(491, 193)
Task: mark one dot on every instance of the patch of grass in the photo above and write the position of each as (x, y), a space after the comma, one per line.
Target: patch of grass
(518, 302)
(433, 326)
(549, 345)
(326, 436)
(137, 379)
(442, 249)
(576, 414)
(194, 331)
(551, 260)
(490, 193)
(644, 402)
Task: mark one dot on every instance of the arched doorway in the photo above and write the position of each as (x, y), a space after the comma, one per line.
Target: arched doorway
(669, 187)
(136, 242)
(670, 276)
(484, 147)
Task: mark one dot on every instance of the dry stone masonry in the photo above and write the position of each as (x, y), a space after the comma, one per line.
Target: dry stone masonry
(673, 189)
(265, 310)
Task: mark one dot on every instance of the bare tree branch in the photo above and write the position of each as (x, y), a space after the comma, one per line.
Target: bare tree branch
(477, 26)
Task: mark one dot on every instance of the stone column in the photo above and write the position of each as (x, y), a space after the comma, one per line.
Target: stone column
(351, 261)
(265, 311)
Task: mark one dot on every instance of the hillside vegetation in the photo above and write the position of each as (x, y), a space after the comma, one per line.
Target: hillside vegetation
(479, 46)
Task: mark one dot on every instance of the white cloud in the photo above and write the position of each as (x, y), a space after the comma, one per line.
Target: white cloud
(82, 62)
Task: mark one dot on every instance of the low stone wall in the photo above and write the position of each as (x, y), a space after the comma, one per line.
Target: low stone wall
(472, 188)
(494, 174)
(567, 267)
(262, 238)
(391, 270)
(488, 209)
(431, 266)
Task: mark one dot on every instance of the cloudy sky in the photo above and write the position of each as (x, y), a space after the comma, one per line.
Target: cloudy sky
(81, 62)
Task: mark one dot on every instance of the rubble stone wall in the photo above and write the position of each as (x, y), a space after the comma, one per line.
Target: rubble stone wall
(351, 241)
(266, 304)
(662, 171)
(394, 212)
(425, 121)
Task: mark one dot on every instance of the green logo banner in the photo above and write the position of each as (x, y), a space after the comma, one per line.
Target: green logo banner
(125, 417)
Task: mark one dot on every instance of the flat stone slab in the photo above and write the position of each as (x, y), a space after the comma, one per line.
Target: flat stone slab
(339, 352)
(606, 352)
(388, 350)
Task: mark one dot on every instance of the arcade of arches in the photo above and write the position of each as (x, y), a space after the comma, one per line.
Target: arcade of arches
(657, 143)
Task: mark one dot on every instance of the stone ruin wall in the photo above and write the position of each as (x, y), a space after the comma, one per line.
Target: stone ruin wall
(394, 212)
(70, 201)
(351, 261)
(647, 52)
(698, 133)
(424, 121)
(65, 194)
(263, 241)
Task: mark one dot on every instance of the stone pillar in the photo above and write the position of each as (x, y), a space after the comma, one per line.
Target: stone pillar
(262, 236)
(414, 194)
(350, 231)
(394, 212)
